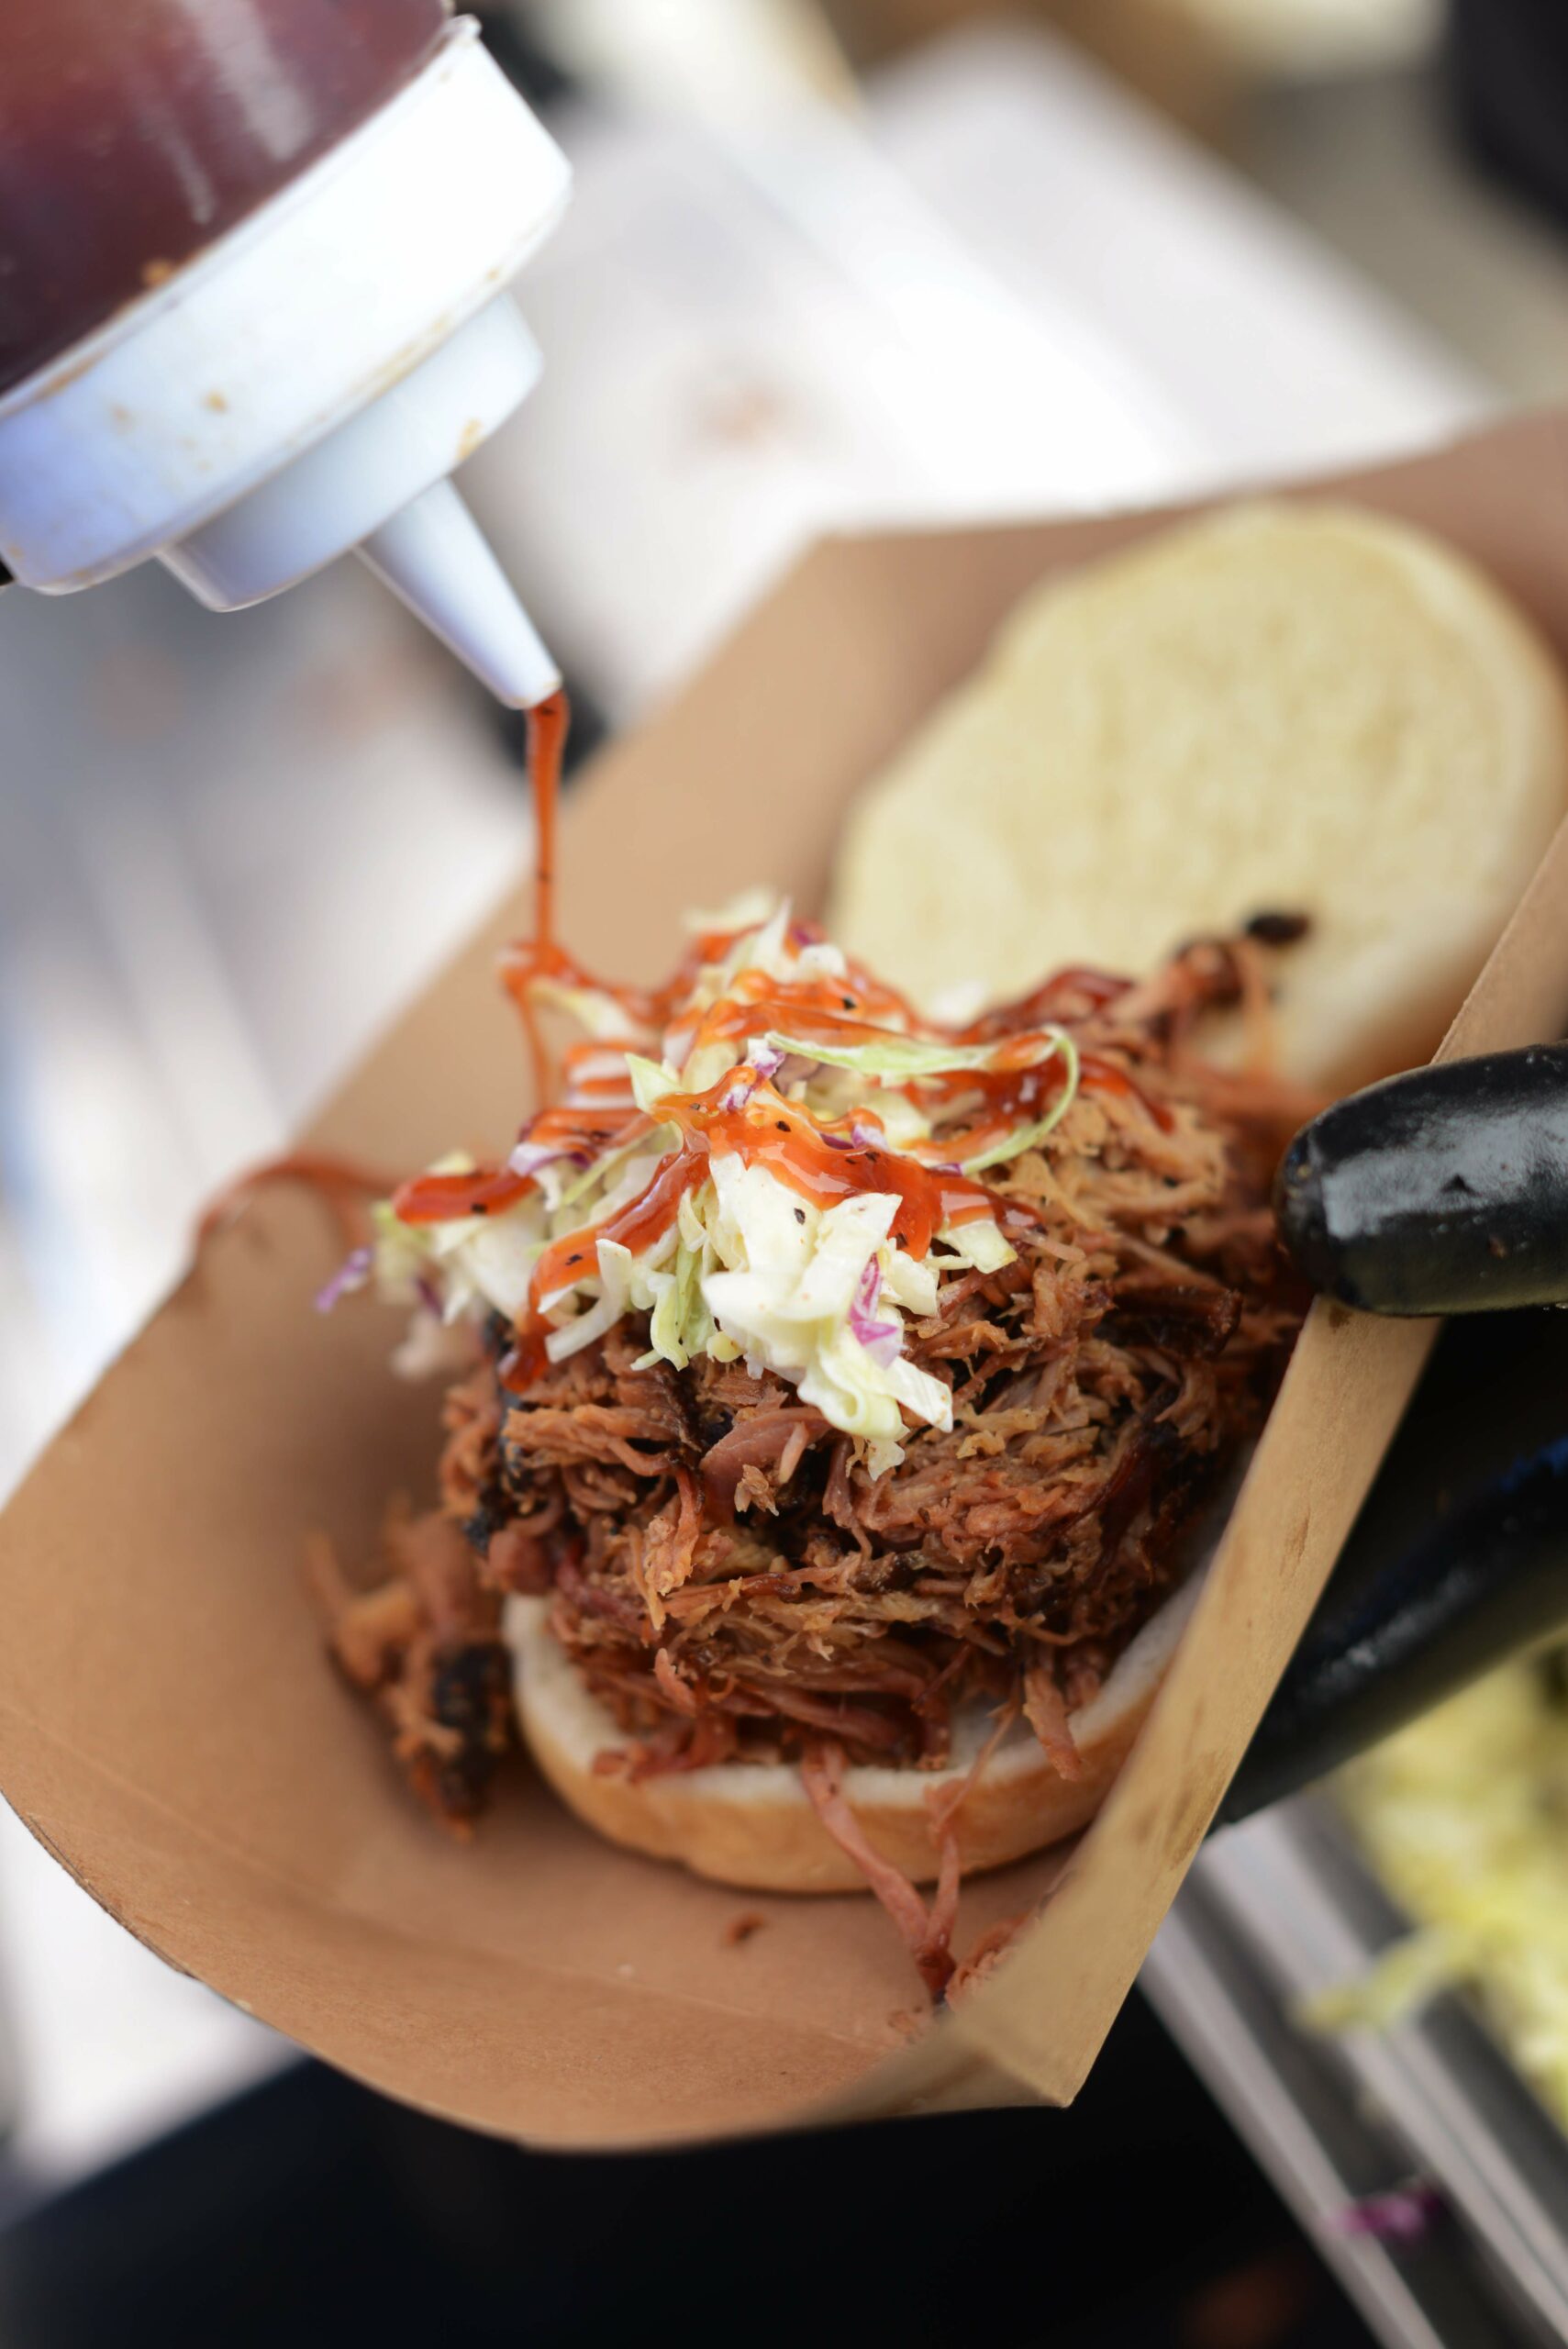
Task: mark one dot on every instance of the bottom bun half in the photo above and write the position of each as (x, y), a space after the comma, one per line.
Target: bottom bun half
(752, 1825)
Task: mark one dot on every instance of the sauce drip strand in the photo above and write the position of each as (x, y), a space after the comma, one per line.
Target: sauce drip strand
(346, 1183)
(548, 723)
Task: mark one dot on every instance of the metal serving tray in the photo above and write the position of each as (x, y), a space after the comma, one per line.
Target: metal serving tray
(1281, 1906)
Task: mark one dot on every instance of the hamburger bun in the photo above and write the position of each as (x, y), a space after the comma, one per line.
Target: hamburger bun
(752, 1825)
(1307, 708)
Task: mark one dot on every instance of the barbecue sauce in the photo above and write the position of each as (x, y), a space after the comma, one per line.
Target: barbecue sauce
(346, 1184)
(548, 723)
(134, 133)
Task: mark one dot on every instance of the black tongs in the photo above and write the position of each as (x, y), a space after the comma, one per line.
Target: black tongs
(1444, 1192)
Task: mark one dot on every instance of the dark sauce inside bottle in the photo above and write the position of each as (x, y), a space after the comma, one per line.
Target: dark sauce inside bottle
(133, 132)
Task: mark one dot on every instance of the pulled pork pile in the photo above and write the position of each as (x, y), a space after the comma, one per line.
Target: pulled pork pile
(728, 1576)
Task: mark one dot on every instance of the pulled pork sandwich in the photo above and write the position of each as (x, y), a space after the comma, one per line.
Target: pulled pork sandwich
(835, 1394)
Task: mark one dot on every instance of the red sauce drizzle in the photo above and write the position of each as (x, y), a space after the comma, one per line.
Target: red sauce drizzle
(1108, 1076)
(1015, 1095)
(439, 1198)
(346, 1183)
(1067, 994)
(549, 721)
(764, 1131)
(487, 1190)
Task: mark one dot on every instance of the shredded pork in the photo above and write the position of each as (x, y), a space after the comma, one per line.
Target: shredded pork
(732, 1581)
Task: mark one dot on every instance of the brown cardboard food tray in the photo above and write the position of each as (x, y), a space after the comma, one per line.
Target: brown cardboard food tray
(169, 1729)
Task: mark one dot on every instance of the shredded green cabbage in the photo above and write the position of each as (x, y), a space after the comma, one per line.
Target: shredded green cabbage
(904, 1060)
(1030, 1137)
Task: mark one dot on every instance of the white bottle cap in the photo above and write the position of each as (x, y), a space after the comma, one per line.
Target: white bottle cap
(323, 366)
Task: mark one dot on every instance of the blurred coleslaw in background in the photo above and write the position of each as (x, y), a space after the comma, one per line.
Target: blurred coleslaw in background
(1464, 1816)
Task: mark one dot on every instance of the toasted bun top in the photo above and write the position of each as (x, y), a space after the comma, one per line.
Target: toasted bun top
(1304, 708)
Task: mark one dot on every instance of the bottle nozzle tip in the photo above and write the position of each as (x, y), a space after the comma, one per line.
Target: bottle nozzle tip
(434, 556)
